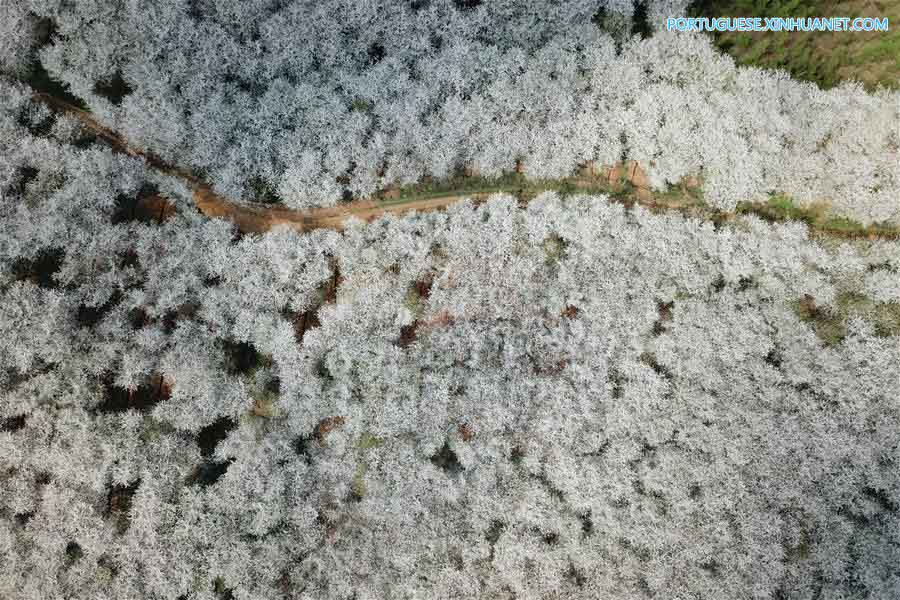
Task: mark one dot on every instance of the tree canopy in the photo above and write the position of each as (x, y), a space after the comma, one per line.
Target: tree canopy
(566, 399)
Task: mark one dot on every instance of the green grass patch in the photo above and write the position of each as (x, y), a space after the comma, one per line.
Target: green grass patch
(358, 483)
(830, 323)
(554, 248)
(360, 105)
(414, 302)
(884, 316)
(367, 441)
(843, 224)
(779, 208)
(826, 58)
(887, 48)
(782, 203)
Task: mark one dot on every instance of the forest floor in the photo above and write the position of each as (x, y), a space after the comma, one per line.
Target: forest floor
(826, 58)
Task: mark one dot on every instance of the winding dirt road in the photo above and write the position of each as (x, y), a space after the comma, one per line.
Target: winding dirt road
(259, 218)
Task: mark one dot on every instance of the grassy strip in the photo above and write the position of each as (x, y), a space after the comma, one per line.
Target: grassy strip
(521, 187)
(781, 208)
(778, 208)
(458, 185)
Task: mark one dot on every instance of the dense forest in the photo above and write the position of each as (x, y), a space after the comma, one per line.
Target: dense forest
(648, 349)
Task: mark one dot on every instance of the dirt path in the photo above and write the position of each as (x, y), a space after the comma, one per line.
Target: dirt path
(623, 183)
